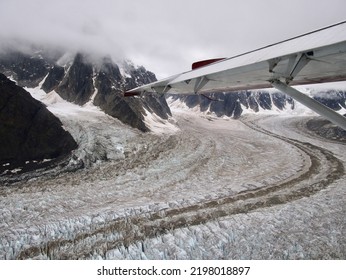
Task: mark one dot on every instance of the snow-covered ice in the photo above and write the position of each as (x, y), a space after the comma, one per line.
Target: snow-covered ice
(211, 188)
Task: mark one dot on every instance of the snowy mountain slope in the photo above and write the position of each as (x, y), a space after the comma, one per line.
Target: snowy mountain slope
(270, 102)
(81, 88)
(80, 79)
(99, 136)
(263, 101)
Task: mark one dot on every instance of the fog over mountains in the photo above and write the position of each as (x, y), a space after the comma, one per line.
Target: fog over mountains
(80, 78)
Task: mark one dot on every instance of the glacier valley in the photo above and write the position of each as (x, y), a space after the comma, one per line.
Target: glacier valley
(196, 187)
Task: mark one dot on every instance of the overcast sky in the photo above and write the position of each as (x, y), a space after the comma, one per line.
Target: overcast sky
(164, 36)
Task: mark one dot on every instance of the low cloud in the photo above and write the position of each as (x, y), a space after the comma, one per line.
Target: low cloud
(164, 36)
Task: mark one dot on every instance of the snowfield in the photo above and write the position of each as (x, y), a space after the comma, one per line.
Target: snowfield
(197, 187)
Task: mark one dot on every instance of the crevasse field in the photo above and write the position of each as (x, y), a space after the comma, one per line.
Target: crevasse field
(197, 187)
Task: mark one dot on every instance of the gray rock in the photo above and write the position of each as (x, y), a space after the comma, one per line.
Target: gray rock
(77, 85)
(79, 79)
(28, 131)
(54, 78)
(230, 104)
(27, 70)
(110, 86)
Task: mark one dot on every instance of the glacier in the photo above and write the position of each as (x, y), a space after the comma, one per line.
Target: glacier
(196, 187)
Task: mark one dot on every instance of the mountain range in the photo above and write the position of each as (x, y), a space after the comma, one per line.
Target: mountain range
(79, 78)
(236, 103)
(29, 131)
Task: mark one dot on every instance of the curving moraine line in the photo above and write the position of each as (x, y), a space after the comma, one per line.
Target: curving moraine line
(324, 168)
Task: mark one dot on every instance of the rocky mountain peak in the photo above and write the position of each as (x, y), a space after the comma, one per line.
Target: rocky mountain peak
(234, 104)
(81, 79)
(77, 84)
(27, 70)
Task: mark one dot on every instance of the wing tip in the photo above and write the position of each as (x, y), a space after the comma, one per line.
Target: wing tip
(131, 93)
(202, 63)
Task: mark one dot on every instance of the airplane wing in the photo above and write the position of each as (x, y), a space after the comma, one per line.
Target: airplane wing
(315, 57)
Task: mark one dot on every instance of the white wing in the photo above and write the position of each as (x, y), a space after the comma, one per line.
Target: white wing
(315, 57)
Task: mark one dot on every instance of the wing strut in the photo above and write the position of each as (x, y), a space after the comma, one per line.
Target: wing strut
(314, 105)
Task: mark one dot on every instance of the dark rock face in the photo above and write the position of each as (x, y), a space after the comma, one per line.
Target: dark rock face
(139, 76)
(280, 100)
(28, 130)
(232, 104)
(77, 85)
(26, 70)
(128, 110)
(80, 79)
(54, 78)
(110, 85)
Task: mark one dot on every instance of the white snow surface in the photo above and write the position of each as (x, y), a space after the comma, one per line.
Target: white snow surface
(158, 125)
(215, 188)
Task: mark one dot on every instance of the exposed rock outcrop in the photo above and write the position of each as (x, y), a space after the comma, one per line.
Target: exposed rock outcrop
(83, 80)
(110, 85)
(27, 70)
(28, 131)
(77, 84)
(233, 104)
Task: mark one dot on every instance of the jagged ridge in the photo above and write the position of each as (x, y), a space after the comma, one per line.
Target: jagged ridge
(82, 80)
(233, 104)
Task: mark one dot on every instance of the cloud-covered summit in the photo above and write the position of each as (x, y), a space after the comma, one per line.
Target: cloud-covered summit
(165, 36)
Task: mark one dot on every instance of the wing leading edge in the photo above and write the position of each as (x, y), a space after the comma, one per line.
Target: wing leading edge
(315, 57)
